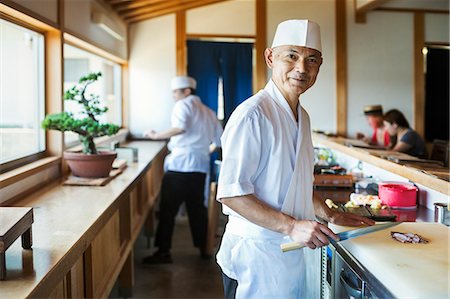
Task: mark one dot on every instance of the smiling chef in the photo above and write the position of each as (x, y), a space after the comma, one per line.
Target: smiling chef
(266, 178)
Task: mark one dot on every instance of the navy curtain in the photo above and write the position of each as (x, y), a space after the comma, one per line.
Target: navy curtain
(204, 66)
(207, 61)
(236, 71)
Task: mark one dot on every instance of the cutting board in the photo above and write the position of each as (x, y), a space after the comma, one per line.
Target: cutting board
(407, 270)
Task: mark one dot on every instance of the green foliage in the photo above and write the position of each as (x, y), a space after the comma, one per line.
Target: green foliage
(88, 127)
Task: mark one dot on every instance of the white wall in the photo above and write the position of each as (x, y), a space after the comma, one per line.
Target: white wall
(152, 64)
(230, 17)
(437, 28)
(320, 100)
(380, 65)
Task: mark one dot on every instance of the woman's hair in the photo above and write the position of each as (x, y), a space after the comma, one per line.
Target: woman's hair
(395, 116)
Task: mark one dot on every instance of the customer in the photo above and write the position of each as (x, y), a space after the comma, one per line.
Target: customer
(374, 117)
(265, 181)
(408, 141)
(194, 128)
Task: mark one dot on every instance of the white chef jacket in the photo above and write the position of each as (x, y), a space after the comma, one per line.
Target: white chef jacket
(260, 157)
(189, 152)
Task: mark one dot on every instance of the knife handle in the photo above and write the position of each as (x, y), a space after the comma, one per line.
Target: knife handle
(291, 246)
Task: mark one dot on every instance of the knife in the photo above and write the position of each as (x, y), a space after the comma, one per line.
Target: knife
(344, 235)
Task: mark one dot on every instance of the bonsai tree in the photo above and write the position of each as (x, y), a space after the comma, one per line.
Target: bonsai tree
(88, 127)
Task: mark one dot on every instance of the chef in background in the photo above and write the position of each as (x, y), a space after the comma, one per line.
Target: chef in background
(266, 179)
(374, 117)
(194, 133)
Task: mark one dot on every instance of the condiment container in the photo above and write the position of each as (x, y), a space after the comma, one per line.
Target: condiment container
(398, 194)
(442, 213)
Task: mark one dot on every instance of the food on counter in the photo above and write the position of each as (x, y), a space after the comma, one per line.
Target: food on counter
(360, 200)
(330, 203)
(351, 204)
(408, 238)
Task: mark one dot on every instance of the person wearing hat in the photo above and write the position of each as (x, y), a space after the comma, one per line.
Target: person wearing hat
(266, 179)
(374, 117)
(195, 131)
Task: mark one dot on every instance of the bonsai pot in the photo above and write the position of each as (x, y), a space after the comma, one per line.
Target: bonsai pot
(90, 166)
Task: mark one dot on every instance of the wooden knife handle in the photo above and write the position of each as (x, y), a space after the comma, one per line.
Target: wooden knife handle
(291, 246)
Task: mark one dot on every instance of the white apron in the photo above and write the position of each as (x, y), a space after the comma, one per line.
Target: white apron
(285, 273)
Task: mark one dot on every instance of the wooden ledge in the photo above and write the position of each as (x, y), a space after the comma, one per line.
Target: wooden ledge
(20, 173)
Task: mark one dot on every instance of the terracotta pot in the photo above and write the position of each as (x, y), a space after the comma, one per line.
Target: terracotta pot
(90, 166)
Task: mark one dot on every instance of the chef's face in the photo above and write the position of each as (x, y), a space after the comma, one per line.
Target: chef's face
(390, 128)
(294, 68)
(179, 94)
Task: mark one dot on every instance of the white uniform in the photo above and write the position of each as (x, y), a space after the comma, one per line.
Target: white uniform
(189, 152)
(268, 154)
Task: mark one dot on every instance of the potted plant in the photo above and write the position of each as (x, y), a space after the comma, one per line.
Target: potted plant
(90, 162)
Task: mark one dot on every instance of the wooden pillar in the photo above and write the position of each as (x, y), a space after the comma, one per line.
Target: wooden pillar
(181, 42)
(419, 78)
(341, 68)
(260, 45)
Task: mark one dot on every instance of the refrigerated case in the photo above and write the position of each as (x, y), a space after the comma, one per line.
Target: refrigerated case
(343, 277)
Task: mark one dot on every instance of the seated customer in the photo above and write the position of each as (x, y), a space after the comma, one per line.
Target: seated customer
(374, 117)
(408, 141)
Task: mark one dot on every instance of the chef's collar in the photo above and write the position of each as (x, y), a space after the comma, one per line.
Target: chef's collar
(275, 93)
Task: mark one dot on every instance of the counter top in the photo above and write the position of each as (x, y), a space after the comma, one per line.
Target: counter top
(406, 270)
(66, 219)
(416, 174)
(420, 214)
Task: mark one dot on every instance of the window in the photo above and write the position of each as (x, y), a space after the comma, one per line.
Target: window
(21, 92)
(78, 63)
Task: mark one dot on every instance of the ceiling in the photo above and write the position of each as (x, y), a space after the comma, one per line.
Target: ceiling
(139, 10)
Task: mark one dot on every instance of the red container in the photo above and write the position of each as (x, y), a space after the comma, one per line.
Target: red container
(398, 195)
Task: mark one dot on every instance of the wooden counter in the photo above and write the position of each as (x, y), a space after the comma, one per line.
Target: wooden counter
(415, 175)
(83, 236)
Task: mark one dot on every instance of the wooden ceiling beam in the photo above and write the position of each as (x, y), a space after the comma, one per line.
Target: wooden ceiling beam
(154, 7)
(170, 10)
(135, 4)
(114, 2)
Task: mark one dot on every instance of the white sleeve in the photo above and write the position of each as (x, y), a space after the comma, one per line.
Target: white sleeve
(242, 152)
(180, 116)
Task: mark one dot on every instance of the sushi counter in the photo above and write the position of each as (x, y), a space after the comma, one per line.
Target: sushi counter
(407, 260)
(376, 265)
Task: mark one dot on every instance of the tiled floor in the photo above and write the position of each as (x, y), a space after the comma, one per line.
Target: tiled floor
(188, 277)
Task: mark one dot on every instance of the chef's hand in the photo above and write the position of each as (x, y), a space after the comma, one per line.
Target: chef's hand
(311, 233)
(151, 134)
(349, 219)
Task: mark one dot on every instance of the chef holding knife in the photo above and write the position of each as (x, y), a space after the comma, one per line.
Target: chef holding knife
(266, 177)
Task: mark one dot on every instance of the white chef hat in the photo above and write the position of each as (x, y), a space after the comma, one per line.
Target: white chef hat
(181, 82)
(304, 33)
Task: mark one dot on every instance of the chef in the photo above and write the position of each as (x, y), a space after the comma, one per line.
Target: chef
(194, 133)
(266, 177)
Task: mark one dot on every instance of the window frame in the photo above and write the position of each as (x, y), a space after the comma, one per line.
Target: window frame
(16, 163)
(85, 46)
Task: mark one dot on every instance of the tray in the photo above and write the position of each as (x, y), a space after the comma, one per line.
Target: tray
(365, 211)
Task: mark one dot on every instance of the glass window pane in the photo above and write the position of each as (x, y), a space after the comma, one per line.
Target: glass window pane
(21, 92)
(78, 63)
